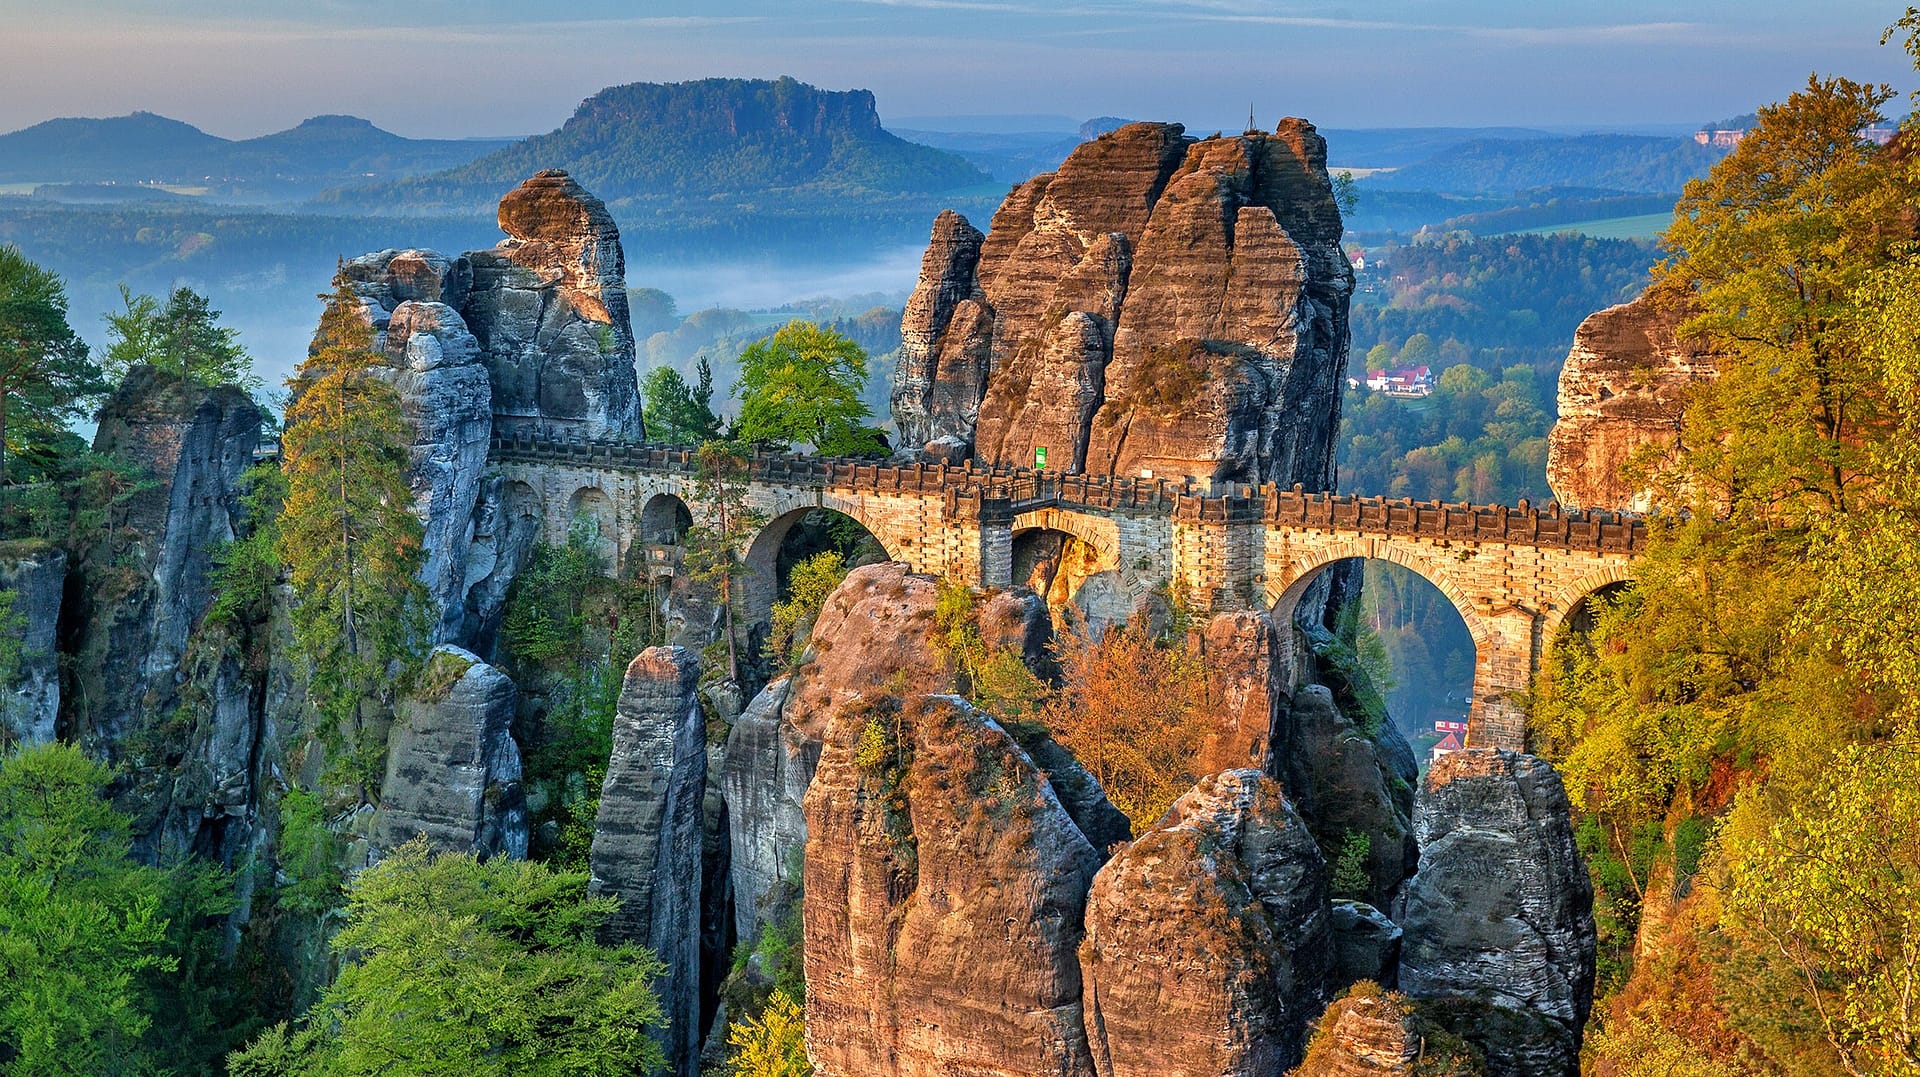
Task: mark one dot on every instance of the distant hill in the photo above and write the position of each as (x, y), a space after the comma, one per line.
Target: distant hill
(142, 148)
(652, 145)
(1632, 164)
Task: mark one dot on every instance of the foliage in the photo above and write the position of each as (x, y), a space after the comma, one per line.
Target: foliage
(1643, 1046)
(1134, 712)
(1350, 877)
(308, 855)
(246, 569)
(678, 413)
(348, 535)
(1828, 881)
(545, 619)
(46, 376)
(182, 339)
(773, 1044)
(13, 632)
(802, 386)
(86, 949)
(460, 967)
(809, 585)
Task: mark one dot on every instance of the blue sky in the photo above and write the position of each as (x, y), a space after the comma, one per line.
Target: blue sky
(457, 68)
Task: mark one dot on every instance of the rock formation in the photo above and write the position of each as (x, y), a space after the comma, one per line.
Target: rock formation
(453, 768)
(944, 890)
(30, 702)
(1622, 391)
(1499, 918)
(144, 588)
(768, 768)
(1366, 945)
(531, 336)
(1208, 946)
(1158, 305)
(549, 307)
(1375, 1033)
(447, 397)
(647, 838)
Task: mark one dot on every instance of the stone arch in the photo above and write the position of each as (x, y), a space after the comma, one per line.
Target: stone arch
(761, 588)
(594, 504)
(664, 520)
(1283, 596)
(1568, 600)
(1072, 560)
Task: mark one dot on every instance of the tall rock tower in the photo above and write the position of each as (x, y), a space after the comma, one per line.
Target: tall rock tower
(1161, 306)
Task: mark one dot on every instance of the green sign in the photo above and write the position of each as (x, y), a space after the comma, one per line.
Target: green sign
(1039, 457)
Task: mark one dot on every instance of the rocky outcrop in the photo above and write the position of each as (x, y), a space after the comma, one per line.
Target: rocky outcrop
(1366, 945)
(549, 308)
(647, 837)
(1351, 785)
(143, 589)
(1158, 305)
(1623, 391)
(1499, 918)
(453, 768)
(931, 355)
(944, 890)
(769, 765)
(447, 398)
(30, 701)
(1208, 946)
(1375, 1033)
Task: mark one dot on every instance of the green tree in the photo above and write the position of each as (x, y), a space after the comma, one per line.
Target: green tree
(678, 413)
(1767, 253)
(808, 586)
(182, 338)
(717, 542)
(46, 376)
(348, 535)
(463, 968)
(84, 933)
(802, 385)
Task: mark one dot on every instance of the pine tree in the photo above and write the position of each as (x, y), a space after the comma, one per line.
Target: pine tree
(348, 536)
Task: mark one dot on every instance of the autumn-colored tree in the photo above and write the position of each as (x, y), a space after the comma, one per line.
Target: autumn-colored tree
(1135, 713)
(348, 535)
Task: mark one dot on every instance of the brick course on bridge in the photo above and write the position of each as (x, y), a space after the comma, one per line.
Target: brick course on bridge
(1514, 573)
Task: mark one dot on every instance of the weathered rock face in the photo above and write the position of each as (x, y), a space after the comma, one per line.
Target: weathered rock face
(30, 703)
(647, 837)
(944, 890)
(549, 308)
(1159, 304)
(1499, 918)
(446, 394)
(144, 589)
(1624, 386)
(453, 768)
(1366, 945)
(768, 768)
(1347, 783)
(947, 283)
(1374, 1033)
(1208, 947)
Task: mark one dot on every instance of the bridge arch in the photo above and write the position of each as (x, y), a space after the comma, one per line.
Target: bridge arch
(1284, 594)
(593, 504)
(1571, 599)
(763, 561)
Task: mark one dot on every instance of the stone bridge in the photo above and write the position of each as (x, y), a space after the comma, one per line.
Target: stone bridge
(1513, 573)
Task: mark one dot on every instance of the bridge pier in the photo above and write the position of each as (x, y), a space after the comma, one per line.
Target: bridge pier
(1505, 657)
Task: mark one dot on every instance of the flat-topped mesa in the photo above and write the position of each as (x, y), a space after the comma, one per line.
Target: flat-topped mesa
(1623, 391)
(1159, 306)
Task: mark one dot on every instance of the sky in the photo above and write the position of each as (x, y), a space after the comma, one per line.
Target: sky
(462, 68)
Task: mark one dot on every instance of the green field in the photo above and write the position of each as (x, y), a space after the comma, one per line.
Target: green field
(1645, 226)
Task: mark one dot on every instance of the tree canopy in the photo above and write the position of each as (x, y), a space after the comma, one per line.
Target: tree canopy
(46, 375)
(802, 386)
(465, 968)
(678, 413)
(182, 338)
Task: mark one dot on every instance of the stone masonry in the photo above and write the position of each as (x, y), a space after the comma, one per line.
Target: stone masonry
(1514, 573)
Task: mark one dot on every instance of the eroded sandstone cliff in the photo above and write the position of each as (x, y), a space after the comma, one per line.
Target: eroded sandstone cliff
(1159, 305)
(1623, 391)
